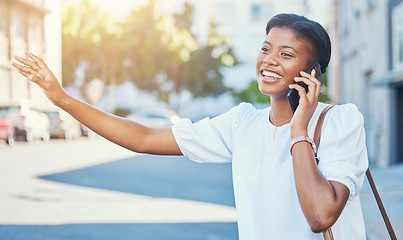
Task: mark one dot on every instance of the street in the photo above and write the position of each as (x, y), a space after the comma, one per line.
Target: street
(93, 189)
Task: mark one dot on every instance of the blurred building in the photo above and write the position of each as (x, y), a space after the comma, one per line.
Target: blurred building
(33, 25)
(367, 69)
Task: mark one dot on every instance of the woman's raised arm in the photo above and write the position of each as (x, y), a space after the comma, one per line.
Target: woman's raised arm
(121, 131)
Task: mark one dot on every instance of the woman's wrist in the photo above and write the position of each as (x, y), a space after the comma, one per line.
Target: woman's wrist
(298, 131)
(303, 139)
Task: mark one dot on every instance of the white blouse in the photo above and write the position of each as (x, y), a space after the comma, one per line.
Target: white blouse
(265, 194)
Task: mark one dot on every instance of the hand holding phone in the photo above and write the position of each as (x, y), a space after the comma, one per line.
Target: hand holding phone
(293, 96)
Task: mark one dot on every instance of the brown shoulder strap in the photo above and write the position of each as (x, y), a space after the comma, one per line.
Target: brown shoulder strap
(380, 206)
(328, 233)
(318, 129)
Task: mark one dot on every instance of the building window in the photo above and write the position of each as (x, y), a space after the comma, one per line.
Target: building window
(260, 12)
(345, 16)
(397, 36)
(371, 4)
(19, 27)
(37, 31)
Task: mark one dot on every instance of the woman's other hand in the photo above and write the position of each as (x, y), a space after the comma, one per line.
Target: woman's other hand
(38, 72)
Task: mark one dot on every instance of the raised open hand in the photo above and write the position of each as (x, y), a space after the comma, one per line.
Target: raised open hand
(38, 72)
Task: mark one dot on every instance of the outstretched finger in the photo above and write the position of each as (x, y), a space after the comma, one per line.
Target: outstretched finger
(37, 60)
(24, 73)
(30, 77)
(28, 70)
(27, 62)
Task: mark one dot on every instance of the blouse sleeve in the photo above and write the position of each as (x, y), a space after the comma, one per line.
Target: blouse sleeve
(209, 140)
(342, 151)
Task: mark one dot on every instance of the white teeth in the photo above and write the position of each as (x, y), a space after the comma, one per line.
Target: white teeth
(271, 74)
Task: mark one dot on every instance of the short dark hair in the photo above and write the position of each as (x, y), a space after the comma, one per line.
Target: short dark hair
(308, 29)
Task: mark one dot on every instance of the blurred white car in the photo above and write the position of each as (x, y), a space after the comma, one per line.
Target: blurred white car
(156, 118)
(62, 125)
(36, 125)
(70, 126)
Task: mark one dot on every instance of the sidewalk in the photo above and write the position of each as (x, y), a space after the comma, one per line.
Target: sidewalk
(389, 183)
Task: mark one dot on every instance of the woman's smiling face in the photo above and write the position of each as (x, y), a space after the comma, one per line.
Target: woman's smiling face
(281, 58)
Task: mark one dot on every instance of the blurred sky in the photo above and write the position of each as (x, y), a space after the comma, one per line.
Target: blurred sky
(122, 8)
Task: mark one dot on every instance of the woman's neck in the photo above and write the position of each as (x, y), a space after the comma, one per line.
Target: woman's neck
(280, 111)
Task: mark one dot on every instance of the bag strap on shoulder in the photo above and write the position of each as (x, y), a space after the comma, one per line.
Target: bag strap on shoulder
(318, 129)
(328, 233)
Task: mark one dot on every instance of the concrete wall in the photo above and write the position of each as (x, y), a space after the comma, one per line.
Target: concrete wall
(362, 35)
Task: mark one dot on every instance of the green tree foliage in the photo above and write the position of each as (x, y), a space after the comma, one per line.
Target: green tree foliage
(201, 74)
(91, 39)
(157, 52)
(145, 56)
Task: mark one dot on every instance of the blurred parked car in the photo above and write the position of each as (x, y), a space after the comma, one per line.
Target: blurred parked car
(70, 126)
(157, 118)
(62, 125)
(14, 116)
(37, 125)
(27, 123)
(55, 124)
(84, 130)
(6, 130)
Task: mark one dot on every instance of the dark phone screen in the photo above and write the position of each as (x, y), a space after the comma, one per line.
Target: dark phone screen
(293, 96)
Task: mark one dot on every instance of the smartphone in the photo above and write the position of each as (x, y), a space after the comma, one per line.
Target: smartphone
(293, 96)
